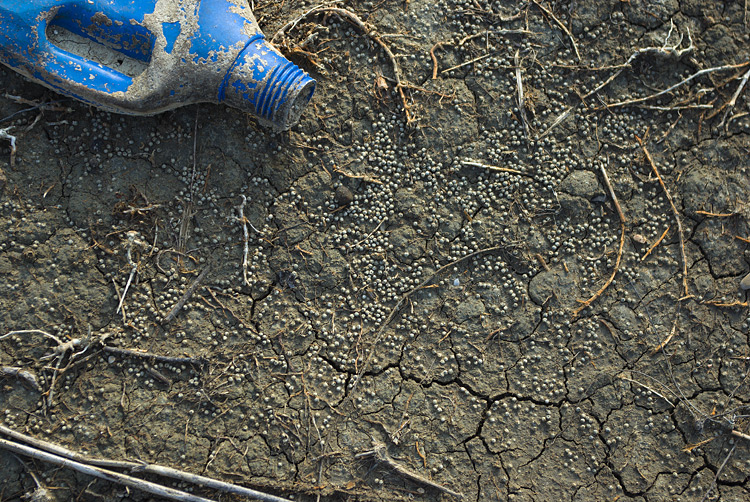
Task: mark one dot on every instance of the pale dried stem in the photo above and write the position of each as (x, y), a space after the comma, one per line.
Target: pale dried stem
(176, 309)
(674, 211)
(152, 357)
(730, 106)
(466, 63)
(474, 163)
(647, 388)
(133, 467)
(666, 340)
(596, 295)
(616, 202)
(658, 241)
(675, 86)
(379, 454)
(133, 269)
(665, 51)
(97, 472)
(246, 238)
(519, 96)
(718, 473)
(368, 30)
(562, 27)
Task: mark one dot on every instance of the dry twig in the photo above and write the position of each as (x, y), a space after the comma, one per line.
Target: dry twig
(596, 295)
(675, 86)
(59, 353)
(519, 96)
(474, 163)
(133, 269)
(653, 246)
(666, 340)
(715, 215)
(246, 238)
(730, 106)
(674, 211)
(466, 63)
(622, 377)
(616, 202)
(368, 30)
(153, 357)
(98, 472)
(176, 309)
(380, 454)
(718, 473)
(434, 59)
(665, 52)
(720, 303)
(44, 447)
(562, 27)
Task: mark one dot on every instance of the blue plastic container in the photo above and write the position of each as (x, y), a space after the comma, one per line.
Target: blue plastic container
(143, 57)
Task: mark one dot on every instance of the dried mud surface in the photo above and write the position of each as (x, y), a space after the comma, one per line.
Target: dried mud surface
(399, 291)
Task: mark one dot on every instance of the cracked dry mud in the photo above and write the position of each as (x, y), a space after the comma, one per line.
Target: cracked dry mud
(396, 294)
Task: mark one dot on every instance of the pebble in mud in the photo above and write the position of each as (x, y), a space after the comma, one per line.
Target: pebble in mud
(343, 196)
(745, 282)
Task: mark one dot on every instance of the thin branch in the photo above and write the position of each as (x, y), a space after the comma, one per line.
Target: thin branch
(32, 332)
(653, 246)
(133, 269)
(246, 238)
(675, 86)
(176, 309)
(667, 339)
(368, 30)
(562, 27)
(98, 472)
(519, 95)
(596, 295)
(718, 473)
(733, 101)
(674, 211)
(380, 454)
(621, 377)
(623, 220)
(153, 357)
(434, 59)
(140, 467)
(474, 163)
(466, 63)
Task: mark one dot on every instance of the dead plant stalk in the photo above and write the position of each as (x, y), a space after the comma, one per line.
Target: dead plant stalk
(368, 30)
(380, 454)
(674, 211)
(596, 295)
(63, 454)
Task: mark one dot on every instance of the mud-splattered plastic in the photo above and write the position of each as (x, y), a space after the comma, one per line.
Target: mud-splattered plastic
(142, 57)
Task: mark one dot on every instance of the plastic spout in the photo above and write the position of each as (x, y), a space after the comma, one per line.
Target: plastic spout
(277, 90)
(143, 57)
